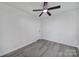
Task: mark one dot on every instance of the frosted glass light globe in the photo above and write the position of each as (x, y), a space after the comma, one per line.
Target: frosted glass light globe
(44, 10)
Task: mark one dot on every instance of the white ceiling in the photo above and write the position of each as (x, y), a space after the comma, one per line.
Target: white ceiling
(29, 6)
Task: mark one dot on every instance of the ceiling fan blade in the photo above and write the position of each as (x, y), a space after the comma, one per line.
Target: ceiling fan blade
(56, 7)
(49, 13)
(37, 10)
(40, 14)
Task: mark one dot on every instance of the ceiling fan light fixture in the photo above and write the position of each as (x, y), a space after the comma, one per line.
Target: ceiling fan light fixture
(45, 11)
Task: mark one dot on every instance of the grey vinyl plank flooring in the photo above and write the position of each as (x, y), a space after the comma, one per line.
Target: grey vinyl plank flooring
(45, 48)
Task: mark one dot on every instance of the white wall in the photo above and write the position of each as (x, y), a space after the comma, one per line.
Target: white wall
(61, 28)
(77, 30)
(17, 29)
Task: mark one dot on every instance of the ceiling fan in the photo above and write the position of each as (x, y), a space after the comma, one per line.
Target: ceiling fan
(45, 9)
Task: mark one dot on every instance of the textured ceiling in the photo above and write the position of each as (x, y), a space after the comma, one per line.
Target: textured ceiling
(29, 6)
